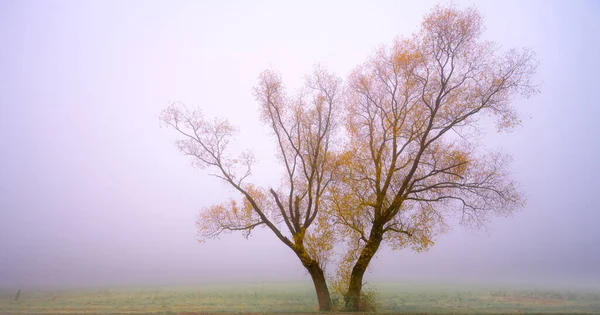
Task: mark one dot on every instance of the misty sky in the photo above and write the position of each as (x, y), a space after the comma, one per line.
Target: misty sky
(92, 191)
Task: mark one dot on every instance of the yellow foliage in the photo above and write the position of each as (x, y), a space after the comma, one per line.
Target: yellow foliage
(407, 161)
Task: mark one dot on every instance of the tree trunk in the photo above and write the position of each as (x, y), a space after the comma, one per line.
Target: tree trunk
(317, 275)
(318, 278)
(352, 298)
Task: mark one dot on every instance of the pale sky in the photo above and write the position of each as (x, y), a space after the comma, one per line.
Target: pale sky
(93, 192)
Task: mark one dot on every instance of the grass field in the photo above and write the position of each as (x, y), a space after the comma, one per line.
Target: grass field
(298, 298)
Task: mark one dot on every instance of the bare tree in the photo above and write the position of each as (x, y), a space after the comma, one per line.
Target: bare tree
(303, 127)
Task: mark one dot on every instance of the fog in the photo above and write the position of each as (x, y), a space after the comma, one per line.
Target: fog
(93, 192)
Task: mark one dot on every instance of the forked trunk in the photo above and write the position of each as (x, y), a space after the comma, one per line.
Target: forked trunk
(318, 278)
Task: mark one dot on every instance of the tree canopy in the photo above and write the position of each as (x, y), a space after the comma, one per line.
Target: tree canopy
(385, 159)
(412, 158)
(302, 126)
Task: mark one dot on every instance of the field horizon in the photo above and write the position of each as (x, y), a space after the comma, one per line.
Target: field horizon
(407, 297)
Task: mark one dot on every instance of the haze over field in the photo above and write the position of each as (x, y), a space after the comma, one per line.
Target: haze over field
(93, 192)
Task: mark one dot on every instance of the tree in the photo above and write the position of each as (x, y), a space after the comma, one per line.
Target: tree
(412, 159)
(409, 159)
(303, 127)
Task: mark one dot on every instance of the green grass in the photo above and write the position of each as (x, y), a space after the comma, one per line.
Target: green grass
(298, 298)
(440, 299)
